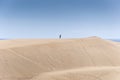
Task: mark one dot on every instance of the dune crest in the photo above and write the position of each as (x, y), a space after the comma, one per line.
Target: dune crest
(33, 59)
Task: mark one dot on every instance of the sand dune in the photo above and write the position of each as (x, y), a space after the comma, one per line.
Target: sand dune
(59, 59)
(92, 73)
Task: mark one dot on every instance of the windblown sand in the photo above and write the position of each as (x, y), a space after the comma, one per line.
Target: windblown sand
(59, 59)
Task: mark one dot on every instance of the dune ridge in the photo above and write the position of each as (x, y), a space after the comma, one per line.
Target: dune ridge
(58, 59)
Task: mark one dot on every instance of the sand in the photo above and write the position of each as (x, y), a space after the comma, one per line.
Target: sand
(90, 58)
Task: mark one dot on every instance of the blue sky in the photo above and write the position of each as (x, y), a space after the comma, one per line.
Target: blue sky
(49, 18)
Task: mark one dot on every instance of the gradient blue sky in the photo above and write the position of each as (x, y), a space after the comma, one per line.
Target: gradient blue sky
(49, 18)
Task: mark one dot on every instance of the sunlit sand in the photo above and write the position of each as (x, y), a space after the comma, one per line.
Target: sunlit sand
(90, 58)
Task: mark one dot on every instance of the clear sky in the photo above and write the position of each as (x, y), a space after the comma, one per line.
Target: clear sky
(49, 18)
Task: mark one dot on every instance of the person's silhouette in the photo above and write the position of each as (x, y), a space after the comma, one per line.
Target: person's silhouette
(60, 36)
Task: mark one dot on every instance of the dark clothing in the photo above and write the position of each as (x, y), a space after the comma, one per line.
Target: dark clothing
(60, 36)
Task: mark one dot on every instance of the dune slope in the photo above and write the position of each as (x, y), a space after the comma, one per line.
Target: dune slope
(92, 73)
(30, 59)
